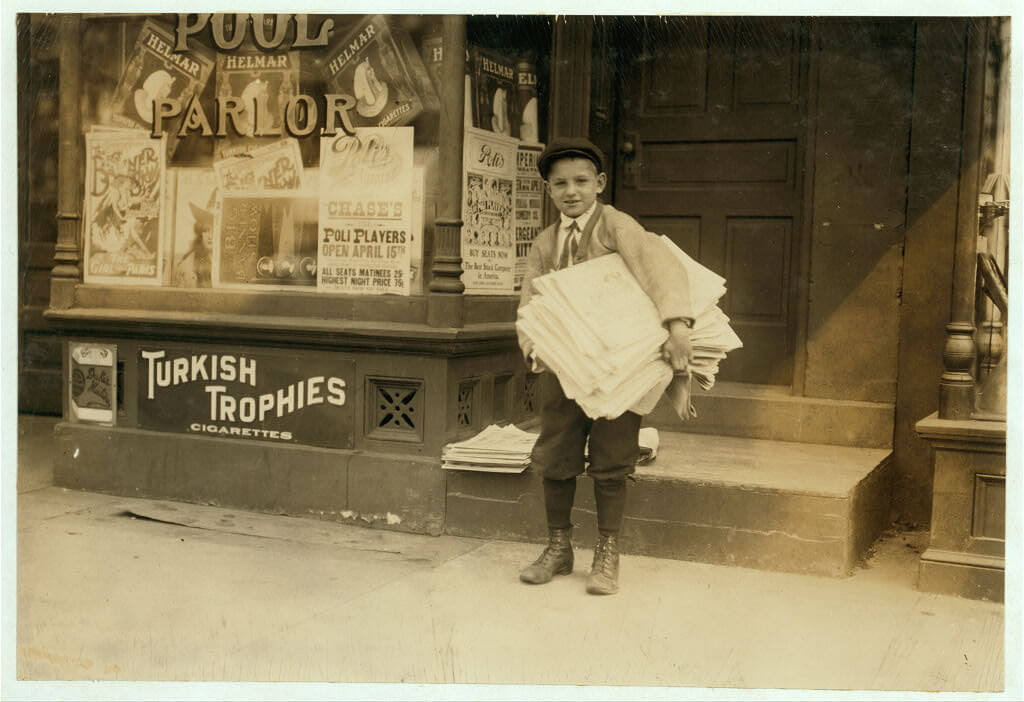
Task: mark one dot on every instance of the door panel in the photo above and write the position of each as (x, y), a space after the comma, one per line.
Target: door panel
(711, 146)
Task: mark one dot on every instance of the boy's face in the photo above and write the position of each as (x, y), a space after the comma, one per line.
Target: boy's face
(574, 184)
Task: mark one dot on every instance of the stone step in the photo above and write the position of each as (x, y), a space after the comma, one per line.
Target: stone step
(774, 412)
(797, 507)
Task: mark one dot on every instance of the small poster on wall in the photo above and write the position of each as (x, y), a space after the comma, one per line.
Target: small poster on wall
(92, 383)
(124, 202)
(488, 246)
(529, 204)
(155, 71)
(366, 206)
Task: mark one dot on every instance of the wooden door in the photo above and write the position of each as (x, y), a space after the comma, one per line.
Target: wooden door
(710, 145)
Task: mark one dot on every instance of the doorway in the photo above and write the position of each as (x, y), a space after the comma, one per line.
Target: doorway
(710, 137)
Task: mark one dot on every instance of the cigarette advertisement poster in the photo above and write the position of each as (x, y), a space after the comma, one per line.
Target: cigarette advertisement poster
(529, 204)
(93, 382)
(124, 204)
(155, 71)
(247, 395)
(488, 247)
(366, 204)
(264, 82)
(378, 65)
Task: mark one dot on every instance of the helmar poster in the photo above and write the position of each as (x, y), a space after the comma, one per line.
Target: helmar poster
(155, 71)
(488, 245)
(124, 202)
(366, 203)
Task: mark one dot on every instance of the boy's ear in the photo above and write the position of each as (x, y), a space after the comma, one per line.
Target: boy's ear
(602, 180)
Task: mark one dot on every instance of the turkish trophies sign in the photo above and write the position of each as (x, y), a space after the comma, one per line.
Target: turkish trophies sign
(366, 212)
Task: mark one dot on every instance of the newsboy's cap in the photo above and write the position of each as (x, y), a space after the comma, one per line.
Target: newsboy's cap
(569, 147)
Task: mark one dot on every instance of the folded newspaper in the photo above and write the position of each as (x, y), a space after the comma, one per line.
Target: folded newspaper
(598, 331)
(507, 450)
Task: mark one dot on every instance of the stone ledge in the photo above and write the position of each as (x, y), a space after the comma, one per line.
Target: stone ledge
(980, 431)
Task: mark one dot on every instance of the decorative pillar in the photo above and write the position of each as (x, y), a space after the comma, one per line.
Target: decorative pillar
(445, 307)
(956, 387)
(66, 272)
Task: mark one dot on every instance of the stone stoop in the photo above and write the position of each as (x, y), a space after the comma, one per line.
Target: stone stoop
(774, 505)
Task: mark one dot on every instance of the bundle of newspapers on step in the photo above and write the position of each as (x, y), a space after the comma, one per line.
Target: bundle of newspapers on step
(507, 450)
(598, 331)
(494, 450)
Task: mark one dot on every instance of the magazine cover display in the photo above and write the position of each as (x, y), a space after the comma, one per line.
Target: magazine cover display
(366, 211)
(267, 238)
(380, 67)
(194, 204)
(92, 385)
(263, 82)
(488, 232)
(123, 208)
(155, 71)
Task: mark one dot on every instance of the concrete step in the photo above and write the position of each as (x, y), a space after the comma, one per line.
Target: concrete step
(797, 507)
(774, 412)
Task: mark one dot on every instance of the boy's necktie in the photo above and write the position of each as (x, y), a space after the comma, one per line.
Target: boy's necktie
(570, 248)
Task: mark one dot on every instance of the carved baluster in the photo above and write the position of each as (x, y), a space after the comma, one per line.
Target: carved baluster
(956, 387)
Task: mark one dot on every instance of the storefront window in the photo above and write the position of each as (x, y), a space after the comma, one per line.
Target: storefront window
(285, 152)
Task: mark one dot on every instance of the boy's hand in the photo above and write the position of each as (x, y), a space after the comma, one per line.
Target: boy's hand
(677, 350)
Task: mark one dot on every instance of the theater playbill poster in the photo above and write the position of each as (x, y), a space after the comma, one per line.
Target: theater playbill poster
(124, 181)
(488, 231)
(366, 186)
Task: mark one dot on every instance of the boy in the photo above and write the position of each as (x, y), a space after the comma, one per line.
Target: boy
(573, 172)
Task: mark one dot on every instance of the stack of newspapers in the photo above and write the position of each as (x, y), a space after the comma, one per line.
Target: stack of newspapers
(494, 450)
(598, 331)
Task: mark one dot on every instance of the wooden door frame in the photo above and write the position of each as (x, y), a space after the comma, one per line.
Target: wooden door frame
(800, 296)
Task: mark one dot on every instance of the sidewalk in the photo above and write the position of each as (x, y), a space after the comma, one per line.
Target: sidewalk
(240, 596)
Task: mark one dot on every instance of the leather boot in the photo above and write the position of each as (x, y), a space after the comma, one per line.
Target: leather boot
(557, 558)
(604, 573)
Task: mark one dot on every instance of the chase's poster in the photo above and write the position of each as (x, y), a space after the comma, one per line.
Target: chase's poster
(124, 180)
(263, 82)
(156, 71)
(366, 202)
(488, 246)
(378, 65)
